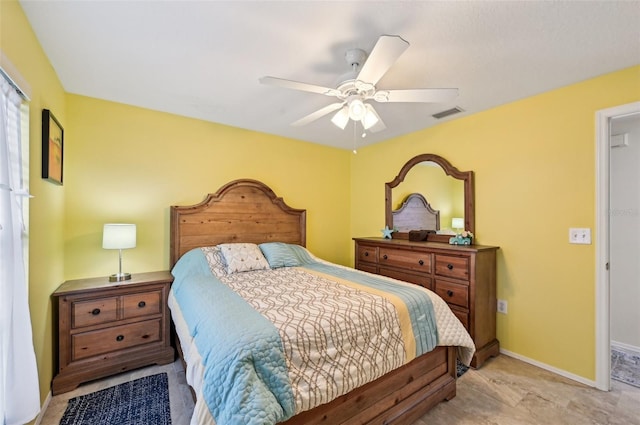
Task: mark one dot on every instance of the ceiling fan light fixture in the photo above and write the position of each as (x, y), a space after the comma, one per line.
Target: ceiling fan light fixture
(370, 118)
(357, 109)
(341, 118)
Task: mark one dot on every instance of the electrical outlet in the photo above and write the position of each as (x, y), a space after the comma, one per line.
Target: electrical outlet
(580, 236)
(502, 306)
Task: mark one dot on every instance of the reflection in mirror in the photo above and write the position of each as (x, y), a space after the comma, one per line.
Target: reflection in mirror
(443, 194)
(428, 194)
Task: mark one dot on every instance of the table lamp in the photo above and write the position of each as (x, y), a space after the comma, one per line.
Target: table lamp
(457, 223)
(119, 236)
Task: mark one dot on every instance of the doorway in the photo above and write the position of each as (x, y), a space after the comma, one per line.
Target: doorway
(605, 122)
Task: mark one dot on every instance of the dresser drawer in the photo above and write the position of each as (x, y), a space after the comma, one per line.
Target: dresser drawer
(365, 267)
(367, 254)
(141, 304)
(94, 312)
(462, 315)
(418, 279)
(453, 293)
(412, 260)
(88, 344)
(452, 266)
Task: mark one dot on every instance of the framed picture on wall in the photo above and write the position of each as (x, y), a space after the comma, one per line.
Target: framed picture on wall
(52, 148)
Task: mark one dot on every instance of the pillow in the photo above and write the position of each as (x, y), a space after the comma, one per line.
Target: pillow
(215, 260)
(243, 257)
(279, 254)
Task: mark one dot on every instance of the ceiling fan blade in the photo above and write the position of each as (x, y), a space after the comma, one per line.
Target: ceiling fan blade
(384, 54)
(318, 114)
(296, 85)
(416, 95)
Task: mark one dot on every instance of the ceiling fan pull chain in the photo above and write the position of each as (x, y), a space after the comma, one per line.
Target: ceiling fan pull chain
(355, 138)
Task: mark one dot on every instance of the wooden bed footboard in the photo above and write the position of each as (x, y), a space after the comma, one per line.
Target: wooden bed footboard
(399, 397)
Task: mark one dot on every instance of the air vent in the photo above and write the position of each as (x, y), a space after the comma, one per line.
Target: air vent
(448, 112)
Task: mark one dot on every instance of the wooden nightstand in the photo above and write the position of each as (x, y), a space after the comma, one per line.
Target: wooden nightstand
(106, 327)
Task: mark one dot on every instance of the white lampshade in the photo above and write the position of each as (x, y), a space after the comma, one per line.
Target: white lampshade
(457, 223)
(119, 236)
(341, 118)
(370, 118)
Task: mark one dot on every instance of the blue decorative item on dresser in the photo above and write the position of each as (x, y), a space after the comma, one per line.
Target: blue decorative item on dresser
(464, 238)
(387, 233)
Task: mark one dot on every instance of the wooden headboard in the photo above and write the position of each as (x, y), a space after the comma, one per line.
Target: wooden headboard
(415, 213)
(240, 211)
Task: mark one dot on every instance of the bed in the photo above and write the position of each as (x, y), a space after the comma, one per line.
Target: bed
(415, 213)
(244, 214)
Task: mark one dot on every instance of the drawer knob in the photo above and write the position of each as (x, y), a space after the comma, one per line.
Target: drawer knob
(119, 337)
(450, 266)
(385, 256)
(366, 254)
(141, 304)
(95, 311)
(450, 293)
(421, 262)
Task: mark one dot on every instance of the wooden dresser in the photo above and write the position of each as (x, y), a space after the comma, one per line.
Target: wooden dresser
(110, 327)
(464, 276)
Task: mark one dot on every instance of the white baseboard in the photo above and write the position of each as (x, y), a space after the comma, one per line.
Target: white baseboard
(550, 368)
(629, 349)
(43, 409)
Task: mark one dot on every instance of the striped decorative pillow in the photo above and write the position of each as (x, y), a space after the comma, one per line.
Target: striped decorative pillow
(279, 254)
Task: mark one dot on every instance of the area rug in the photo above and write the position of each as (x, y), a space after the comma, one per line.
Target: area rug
(461, 368)
(144, 401)
(625, 367)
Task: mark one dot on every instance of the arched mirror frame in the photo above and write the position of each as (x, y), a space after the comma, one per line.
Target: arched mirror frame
(450, 170)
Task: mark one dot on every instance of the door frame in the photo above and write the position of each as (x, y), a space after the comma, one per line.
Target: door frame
(602, 241)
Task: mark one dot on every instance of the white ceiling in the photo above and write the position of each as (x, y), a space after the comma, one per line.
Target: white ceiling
(203, 59)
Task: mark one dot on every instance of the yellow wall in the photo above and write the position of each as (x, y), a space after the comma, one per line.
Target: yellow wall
(46, 242)
(534, 163)
(127, 164)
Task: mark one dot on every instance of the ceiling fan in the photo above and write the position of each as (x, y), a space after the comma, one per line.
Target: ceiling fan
(359, 85)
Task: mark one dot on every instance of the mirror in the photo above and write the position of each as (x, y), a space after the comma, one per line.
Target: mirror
(432, 180)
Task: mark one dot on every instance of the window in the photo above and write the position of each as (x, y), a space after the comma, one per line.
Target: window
(19, 390)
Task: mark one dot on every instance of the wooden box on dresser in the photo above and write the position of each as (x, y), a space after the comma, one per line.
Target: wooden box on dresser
(464, 276)
(106, 327)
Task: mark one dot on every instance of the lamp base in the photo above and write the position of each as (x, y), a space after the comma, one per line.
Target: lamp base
(119, 277)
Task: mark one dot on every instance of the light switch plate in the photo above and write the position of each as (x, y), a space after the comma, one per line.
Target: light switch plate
(580, 236)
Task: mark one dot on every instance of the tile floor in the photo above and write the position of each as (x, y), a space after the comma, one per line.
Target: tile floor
(505, 391)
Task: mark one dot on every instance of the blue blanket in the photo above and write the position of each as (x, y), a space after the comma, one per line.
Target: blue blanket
(246, 379)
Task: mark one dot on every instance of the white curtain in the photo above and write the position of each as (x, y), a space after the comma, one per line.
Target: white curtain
(19, 392)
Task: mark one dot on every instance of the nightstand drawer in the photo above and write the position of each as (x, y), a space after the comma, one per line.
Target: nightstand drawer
(413, 260)
(142, 304)
(88, 344)
(453, 293)
(451, 266)
(94, 312)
